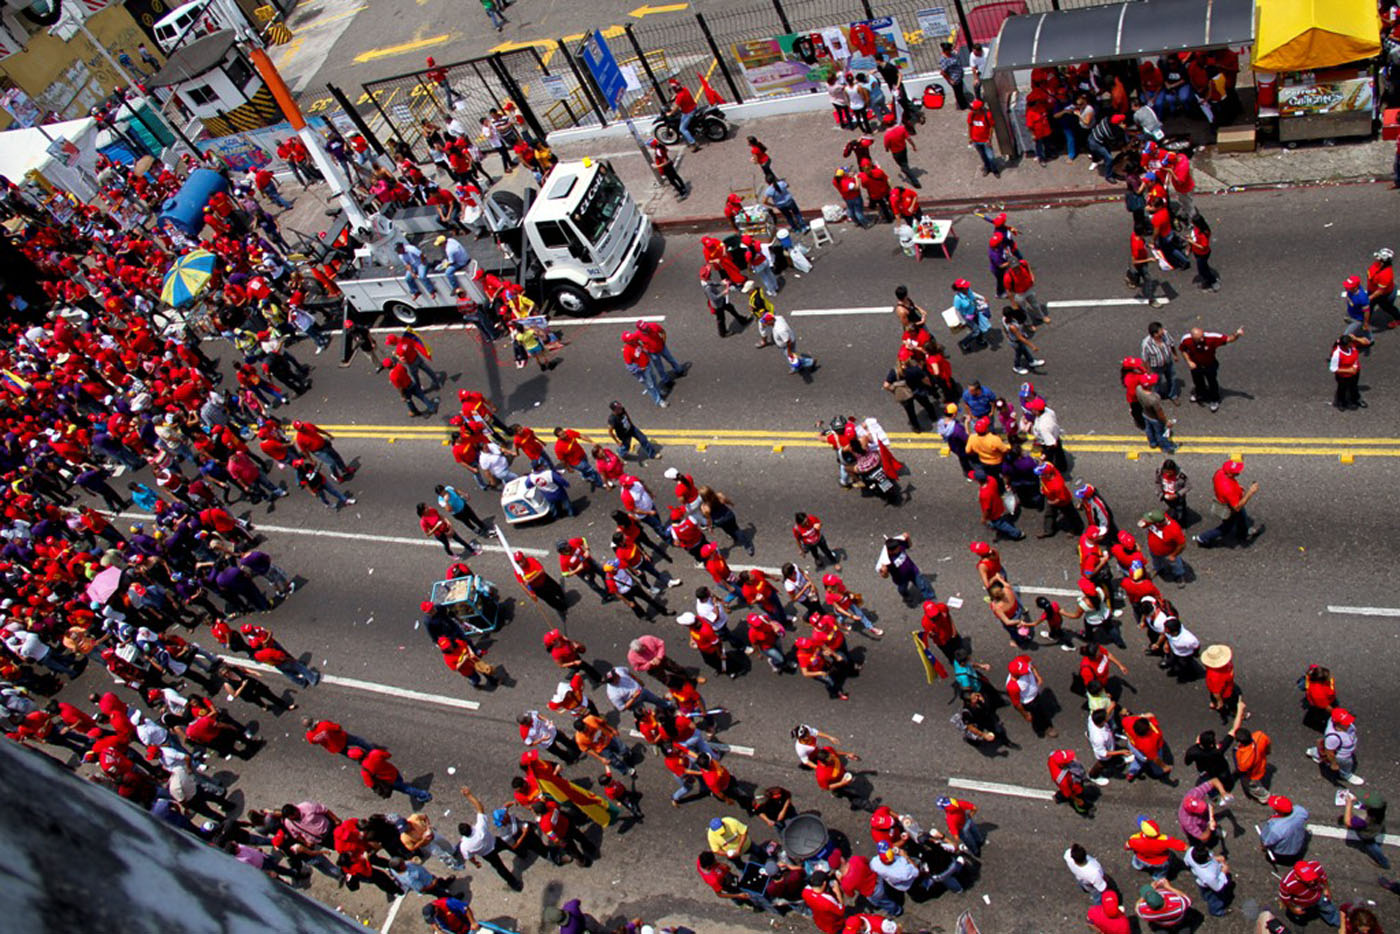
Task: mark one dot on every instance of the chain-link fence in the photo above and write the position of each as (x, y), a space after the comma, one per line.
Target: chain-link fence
(771, 48)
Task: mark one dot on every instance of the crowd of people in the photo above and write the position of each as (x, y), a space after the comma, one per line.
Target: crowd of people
(161, 587)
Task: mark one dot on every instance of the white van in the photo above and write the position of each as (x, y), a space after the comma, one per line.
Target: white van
(200, 15)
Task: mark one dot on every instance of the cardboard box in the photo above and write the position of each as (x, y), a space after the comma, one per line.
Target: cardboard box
(1235, 139)
(1390, 123)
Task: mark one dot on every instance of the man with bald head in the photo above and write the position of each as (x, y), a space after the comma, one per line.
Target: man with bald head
(1198, 348)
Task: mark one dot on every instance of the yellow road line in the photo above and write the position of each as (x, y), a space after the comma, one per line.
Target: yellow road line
(759, 434)
(1131, 446)
(391, 50)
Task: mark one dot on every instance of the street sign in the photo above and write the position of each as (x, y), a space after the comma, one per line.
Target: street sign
(933, 22)
(555, 87)
(603, 66)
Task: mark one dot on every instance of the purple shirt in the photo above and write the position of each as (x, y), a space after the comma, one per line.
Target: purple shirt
(1196, 826)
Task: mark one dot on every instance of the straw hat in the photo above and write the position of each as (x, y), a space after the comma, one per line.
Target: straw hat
(1216, 656)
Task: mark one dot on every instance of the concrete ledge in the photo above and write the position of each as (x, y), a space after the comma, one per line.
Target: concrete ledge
(1064, 198)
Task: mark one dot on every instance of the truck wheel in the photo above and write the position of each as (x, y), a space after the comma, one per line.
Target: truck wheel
(403, 312)
(511, 205)
(715, 130)
(572, 300)
(666, 133)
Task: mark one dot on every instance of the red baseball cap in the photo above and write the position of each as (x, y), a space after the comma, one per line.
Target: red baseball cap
(1019, 665)
(1232, 468)
(1342, 717)
(982, 425)
(980, 548)
(1280, 804)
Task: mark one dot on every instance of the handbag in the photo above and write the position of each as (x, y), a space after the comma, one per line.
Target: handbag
(1009, 500)
(485, 668)
(902, 392)
(1219, 510)
(1134, 202)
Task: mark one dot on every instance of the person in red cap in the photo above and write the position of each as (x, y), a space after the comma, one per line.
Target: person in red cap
(1305, 891)
(1336, 751)
(1284, 836)
(1107, 916)
(333, 737)
(1231, 499)
(979, 134)
(877, 188)
(990, 500)
(686, 533)
(1025, 689)
(811, 540)
(936, 628)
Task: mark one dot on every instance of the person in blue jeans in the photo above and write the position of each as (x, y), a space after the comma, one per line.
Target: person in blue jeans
(778, 195)
(1233, 497)
(1154, 419)
(624, 431)
(973, 309)
(415, 269)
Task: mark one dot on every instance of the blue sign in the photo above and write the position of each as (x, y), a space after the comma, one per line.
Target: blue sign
(603, 66)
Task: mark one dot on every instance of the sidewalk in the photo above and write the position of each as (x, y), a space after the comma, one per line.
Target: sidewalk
(806, 150)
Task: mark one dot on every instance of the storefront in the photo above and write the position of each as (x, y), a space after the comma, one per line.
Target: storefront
(1313, 66)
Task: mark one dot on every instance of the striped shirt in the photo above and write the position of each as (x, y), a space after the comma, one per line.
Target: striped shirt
(1156, 354)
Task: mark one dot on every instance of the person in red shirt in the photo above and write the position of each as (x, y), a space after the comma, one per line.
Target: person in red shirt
(1152, 850)
(1380, 285)
(1059, 502)
(568, 655)
(979, 134)
(1198, 348)
(539, 584)
(381, 775)
(823, 897)
(989, 499)
(1107, 916)
(1165, 542)
(1161, 906)
(877, 188)
(1068, 777)
(264, 181)
(1149, 746)
(1233, 497)
(898, 140)
(683, 104)
(568, 448)
(848, 188)
(333, 737)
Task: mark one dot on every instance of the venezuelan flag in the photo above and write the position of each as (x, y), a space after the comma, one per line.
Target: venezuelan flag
(599, 810)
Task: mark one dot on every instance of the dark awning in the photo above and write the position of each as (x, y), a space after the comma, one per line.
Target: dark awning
(194, 60)
(1122, 30)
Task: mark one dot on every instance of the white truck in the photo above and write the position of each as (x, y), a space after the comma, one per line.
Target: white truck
(577, 242)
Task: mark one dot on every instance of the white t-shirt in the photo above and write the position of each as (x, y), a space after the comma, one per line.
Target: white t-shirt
(1184, 643)
(711, 611)
(621, 692)
(1210, 874)
(805, 749)
(1089, 876)
(1101, 739)
(479, 842)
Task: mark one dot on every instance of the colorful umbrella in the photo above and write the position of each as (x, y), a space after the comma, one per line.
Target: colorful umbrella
(187, 277)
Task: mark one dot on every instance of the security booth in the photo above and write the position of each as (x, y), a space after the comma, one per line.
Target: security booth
(1315, 67)
(216, 82)
(1120, 44)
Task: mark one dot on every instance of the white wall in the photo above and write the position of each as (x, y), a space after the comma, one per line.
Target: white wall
(229, 96)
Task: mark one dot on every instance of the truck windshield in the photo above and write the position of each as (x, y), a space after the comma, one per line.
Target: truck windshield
(599, 205)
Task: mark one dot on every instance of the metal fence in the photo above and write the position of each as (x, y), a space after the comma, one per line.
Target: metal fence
(550, 84)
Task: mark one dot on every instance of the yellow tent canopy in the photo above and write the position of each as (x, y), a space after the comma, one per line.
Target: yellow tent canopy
(1300, 35)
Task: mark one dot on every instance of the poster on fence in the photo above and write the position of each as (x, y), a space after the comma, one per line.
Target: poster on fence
(252, 149)
(799, 63)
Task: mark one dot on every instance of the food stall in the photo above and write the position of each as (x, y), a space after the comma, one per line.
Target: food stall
(1313, 68)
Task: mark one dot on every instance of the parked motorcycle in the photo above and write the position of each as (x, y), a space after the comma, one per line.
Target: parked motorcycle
(708, 123)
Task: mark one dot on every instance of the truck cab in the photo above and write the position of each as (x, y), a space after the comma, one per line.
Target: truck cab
(587, 233)
(577, 242)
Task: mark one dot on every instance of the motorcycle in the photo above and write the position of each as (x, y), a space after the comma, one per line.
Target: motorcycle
(708, 123)
(872, 474)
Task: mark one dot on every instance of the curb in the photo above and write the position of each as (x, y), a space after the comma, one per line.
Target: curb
(1056, 198)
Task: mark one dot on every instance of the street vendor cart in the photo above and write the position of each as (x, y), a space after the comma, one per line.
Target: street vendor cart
(472, 601)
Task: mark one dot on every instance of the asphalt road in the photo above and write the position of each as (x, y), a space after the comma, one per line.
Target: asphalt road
(1282, 256)
(348, 42)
